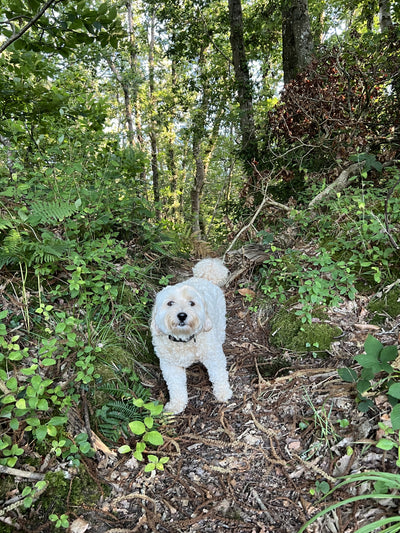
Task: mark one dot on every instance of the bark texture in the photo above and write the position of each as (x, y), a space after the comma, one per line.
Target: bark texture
(297, 40)
(243, 82)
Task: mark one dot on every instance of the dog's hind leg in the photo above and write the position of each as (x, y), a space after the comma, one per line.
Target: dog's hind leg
(175, 378)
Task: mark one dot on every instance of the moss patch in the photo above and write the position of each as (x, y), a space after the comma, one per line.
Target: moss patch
(386, 305)
(60, 490)
(288, 332)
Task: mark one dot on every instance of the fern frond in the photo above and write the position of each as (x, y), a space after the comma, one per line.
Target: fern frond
(40, 252)
(134, 390)
(113, 419)
(114, 416)
(6, 223)
(50, 212)
(12, 249)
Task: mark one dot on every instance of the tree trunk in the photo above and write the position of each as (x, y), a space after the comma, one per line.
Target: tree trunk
(385, 18)
(243, 83)
(173, 200)
(197, 188)
(153, 136)
(297, 40)
(10, 155)
(127, 101)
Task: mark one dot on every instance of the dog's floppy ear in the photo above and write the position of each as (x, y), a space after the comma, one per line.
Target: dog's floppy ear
(153, 324)
(207, 323)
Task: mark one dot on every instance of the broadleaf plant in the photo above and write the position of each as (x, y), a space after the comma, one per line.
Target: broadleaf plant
(377, 376)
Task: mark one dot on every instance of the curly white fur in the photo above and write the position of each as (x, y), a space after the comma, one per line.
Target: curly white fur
(188, 325)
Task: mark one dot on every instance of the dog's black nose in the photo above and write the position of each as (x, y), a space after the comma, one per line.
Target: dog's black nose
(182, 317)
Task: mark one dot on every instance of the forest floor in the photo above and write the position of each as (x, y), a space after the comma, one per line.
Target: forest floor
(258, 463)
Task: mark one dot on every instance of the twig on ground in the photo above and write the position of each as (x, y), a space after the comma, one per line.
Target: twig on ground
(21, 473)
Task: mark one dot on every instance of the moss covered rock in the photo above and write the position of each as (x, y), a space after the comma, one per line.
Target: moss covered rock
(288, 332)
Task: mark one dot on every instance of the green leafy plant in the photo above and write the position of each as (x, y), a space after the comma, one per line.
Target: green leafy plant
(59, 521)
(383, 481)
(30, 493)
(155, 463)
(146, 431)
(390, 441)
(321, 488)
(377, 376)
(314, 281)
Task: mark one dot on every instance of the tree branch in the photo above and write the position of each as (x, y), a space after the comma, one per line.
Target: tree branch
(27, 26)
(339, 184)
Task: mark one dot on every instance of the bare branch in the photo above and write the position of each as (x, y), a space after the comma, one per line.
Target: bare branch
(267, 200)
(339, 184)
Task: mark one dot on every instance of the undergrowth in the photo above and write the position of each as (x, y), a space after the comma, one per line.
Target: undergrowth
(348, 247)
(74, 323)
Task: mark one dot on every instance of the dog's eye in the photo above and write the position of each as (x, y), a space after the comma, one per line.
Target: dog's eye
(192, 304)
(170, 303)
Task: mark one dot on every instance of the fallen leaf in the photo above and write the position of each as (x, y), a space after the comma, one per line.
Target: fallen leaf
(246, 292)
(79, 526)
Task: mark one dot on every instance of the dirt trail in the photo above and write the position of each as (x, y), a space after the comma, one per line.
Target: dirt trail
(249, 465)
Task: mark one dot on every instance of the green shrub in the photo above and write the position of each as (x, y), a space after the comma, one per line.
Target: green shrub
(312, 280)
(377, 376)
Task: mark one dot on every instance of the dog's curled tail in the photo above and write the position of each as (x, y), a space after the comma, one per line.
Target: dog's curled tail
(213, 270)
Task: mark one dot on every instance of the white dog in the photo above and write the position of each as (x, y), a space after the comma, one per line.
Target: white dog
(188, 325)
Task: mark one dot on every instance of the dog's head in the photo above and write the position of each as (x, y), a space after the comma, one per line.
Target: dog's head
(180, 311)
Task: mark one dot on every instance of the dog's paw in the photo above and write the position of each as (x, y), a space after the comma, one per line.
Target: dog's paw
(223, 394)
(174, 407)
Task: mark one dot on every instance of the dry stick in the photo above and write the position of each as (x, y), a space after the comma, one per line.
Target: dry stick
(342, 180)
(3, 388)
(27, 26)
(266, 201)
(20, 473)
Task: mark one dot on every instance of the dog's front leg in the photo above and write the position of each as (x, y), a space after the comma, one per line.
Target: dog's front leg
(218, 374)
(175, 378)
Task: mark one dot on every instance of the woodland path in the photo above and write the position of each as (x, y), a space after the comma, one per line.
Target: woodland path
(248, 466)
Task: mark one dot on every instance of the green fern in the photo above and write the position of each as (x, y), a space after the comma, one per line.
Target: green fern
(12, 250)
(113, 419)
(50, 212)
(46, 252)
(116, 391)
(114, 415)
(6, 223)
(19, 248)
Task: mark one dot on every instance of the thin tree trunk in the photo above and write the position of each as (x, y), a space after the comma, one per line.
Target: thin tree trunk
(385, 18)
(297, 42)
(243, 82)
(171, 159)
(134, 66)
(198, 136)
(153, 136)
(127, 101)
(197, 188)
